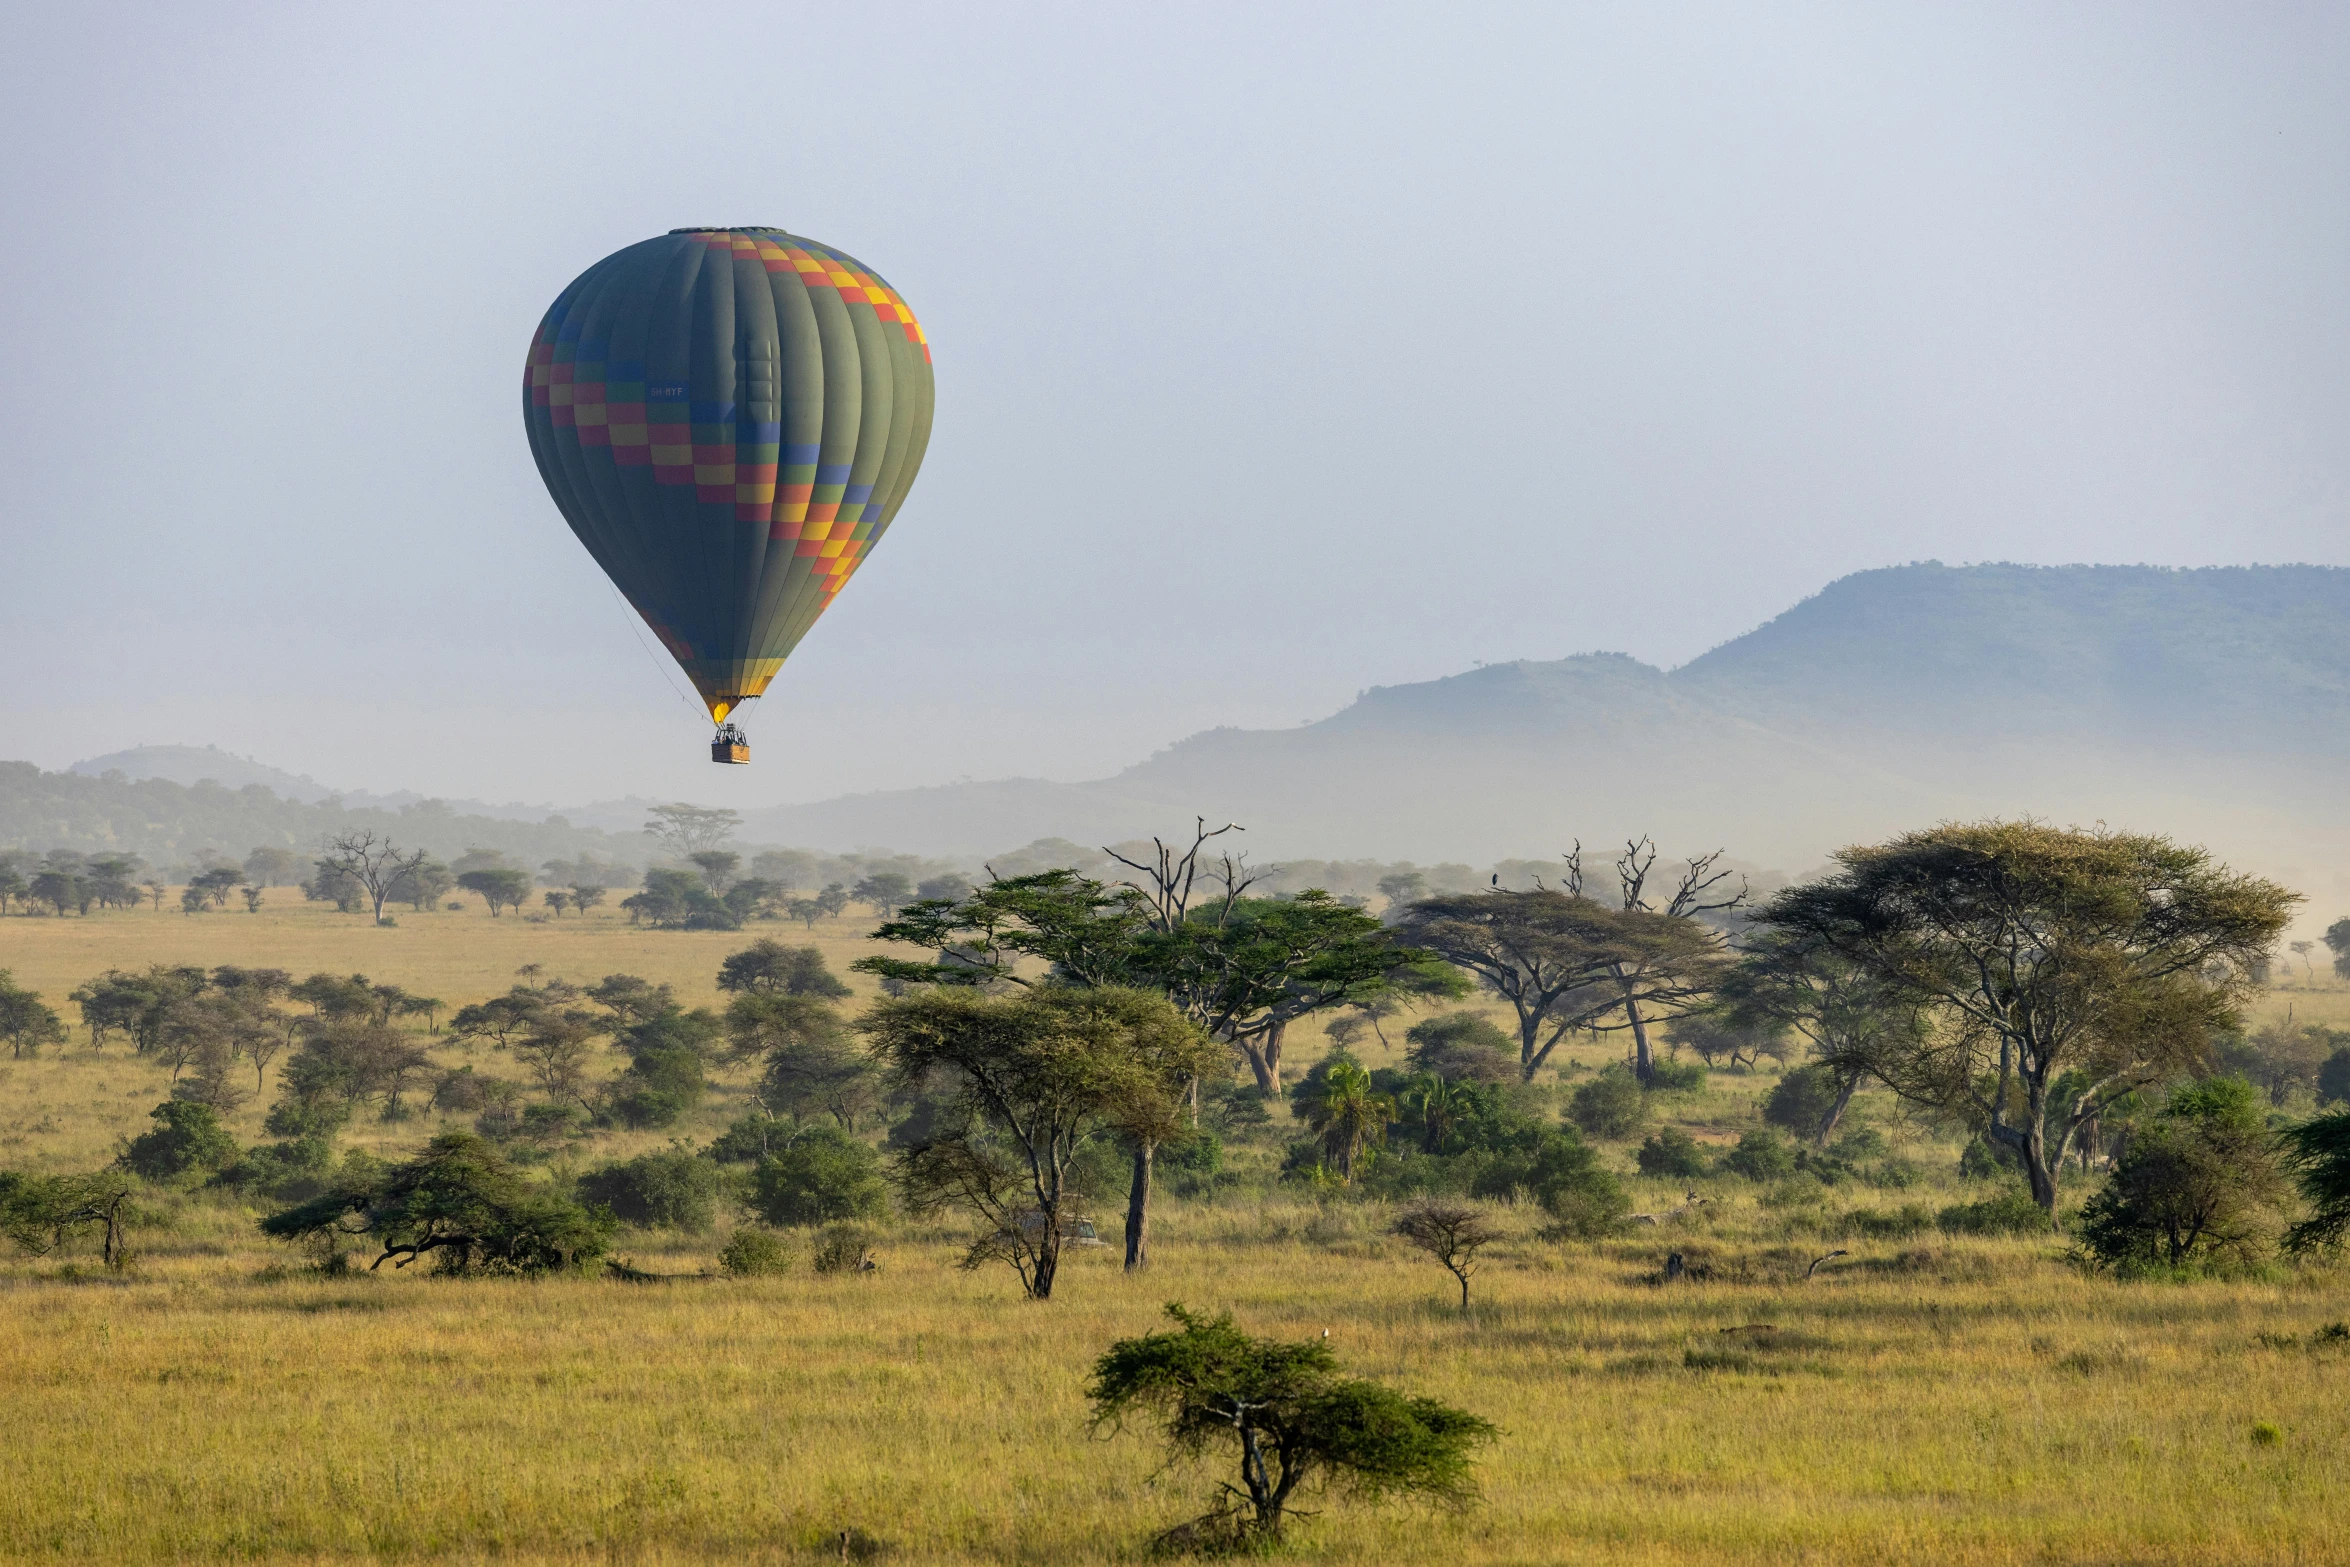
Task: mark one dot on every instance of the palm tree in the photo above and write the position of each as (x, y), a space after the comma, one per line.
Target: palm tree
(1350, 1114)
(1439, 1106)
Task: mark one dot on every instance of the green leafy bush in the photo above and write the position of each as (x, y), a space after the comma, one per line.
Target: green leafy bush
(823, 1175)
(1677, 1077)
(2009, 1213)
(1802, 1100)
(187, 1139)
(1562, 1173)
(671, 1189)
(1609, 1105)
(1671, 1154)
(1462, 1047)
(2198, 1184)
(753, 1253)
(664, 1079)
(1761, 1155)
(843, 1248)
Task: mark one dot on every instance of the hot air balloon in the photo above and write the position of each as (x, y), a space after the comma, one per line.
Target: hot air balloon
(728, 418)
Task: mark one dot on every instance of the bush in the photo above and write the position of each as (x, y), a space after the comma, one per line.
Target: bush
(1803, 1099)
(668, 1190)
(748, 1140)
(188, 1139)
(1761, 1156)
(823, 1175)
(752, 1253)
(1676, 1077)
(1562, 1173)
(664, 1078)
(1983, 1160)
(1462, 1047)
(1910, 1219)
(843, 1248)
(1194, 1163)
(1609, 1105)
(2197, 1184)
(2333, 1078)
(2009, 1213)
(1671, 1154)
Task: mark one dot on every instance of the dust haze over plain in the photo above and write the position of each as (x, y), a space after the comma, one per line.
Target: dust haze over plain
(1282, 352)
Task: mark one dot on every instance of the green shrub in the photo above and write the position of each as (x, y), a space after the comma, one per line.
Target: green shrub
(667, 1190)
(2333, 1078)
(1462, 1047)
(187, 1139)
(1193, 1164)
(1609, 1105)
(842, 1248)
(1562, 1173)
(748, 1140)
(1676, 1077)
(664, 1078)
(1761, 1156)
(1671, 1154)
(2198, 1183)
(2009, 1213)
(1900, 1224)
(823, 1175)
(1983, 1160)
(1803, 1099)
(752, 1253)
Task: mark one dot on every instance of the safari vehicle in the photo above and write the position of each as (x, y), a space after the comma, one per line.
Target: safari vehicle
(1076, 1228)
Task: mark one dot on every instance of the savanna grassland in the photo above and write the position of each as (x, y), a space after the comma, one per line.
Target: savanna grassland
(1921, 1399)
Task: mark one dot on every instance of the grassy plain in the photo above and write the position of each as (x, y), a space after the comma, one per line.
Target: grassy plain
(1921, 1400)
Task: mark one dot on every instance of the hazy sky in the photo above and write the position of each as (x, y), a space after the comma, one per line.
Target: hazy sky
(1282, 350)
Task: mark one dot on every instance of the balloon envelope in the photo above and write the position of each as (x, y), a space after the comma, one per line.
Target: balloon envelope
(729, 419)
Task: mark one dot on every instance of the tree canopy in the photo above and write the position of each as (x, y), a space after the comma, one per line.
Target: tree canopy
(2037, 950)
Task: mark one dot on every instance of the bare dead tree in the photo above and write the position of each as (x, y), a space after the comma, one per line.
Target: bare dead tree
(375, 864)
(1168, 882)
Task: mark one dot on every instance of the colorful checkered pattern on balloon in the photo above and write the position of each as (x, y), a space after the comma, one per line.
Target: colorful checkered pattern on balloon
(728, 460)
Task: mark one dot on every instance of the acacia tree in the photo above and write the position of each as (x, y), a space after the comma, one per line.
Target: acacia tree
(372, 863)
(26, 1022)
(1241, 968)
(1029, 1078)
(1292, 1417)
(42, 1212)
(686, 830)
(1849, 1015)
(458, 1203)
(1452, 1232)
(2038, 950)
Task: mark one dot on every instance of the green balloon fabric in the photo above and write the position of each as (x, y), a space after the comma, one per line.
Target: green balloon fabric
(729, 419)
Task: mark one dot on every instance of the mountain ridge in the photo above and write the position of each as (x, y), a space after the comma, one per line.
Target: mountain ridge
(2194, 700)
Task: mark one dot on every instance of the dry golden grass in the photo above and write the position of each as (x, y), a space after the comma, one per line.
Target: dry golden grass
(1981, 1405)
(1919, 1402)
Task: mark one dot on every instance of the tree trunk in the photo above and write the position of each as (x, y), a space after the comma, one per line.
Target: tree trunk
(1643, 1057)
(1048, 1257)
(1138, 1208)
(1264, 1059)
(1836, 1112)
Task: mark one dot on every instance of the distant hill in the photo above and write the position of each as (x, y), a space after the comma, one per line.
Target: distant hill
(2214, 704)
(2211, 703)
(2229, 656)
(191, 764)
(162, 821)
